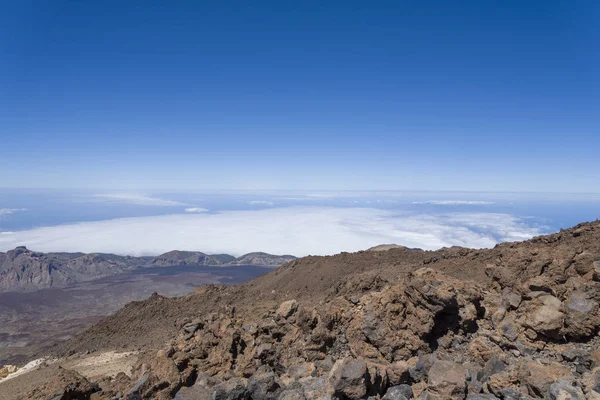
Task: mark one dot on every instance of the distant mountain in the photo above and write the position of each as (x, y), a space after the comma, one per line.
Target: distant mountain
(177, 257)
(386, 247)
(259, 258)
(23, 269)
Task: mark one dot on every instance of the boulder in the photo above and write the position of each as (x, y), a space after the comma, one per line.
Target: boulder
(596, 274)
(351, 379)
(447, 379)
(509, 329)
(201, 390)
(317, 388)
(287, 308)
(481, 396)
(421, 369)
(511, 300)
(233, 389)
(398, 392)
(65, 385)
(492, 367)
(581, 315)
(565, 390)
(196, 392)
(538, 377)
(545, 316)
(264, 384)
(398, 373)
(291, 394)
(134, 392)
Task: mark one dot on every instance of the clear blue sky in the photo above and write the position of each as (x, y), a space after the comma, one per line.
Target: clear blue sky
(435, 95)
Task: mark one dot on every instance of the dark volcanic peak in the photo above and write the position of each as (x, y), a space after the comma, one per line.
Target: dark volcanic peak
(519, 321)
(23, 269)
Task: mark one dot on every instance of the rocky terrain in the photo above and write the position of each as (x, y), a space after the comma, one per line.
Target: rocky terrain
(32, 321)
(519, 321)
(23, 269)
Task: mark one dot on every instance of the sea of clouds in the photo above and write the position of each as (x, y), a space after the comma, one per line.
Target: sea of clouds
(297, 230)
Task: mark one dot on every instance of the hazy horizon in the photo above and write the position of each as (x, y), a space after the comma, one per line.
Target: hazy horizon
(298, 223)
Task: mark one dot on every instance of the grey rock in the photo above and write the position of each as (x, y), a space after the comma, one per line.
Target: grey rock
(399, 392)
(233, 389)
(291, 394)
(447, 379)
(421, 369)
(191, 327)
(510, 394)
(509, 329)
(492, 367)
(264, 384)
(317, 388)
(196, 392)
(511, 300)
(565, 390)
(351, 380)
(134, 392)
(201, 390)
(481, 396)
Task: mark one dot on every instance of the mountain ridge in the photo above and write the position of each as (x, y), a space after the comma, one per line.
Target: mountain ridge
(24, 269)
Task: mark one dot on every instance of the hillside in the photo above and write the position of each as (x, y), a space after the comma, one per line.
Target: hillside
(23, 269)
(518, 321)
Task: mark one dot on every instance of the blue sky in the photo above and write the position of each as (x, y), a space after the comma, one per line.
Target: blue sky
(430, 95)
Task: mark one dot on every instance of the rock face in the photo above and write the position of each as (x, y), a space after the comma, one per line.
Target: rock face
(23, 269)
(523, 325)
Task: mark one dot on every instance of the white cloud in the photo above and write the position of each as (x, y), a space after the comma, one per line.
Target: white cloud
(261, 203)
(294, 230)
(196, 210)
(7, 211)
(138, 199)
(455, 202)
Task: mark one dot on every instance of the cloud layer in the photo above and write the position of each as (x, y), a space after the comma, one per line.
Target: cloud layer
(195, 210)
(7, 211)
(295, 230)
(137, 199)
(455, 202)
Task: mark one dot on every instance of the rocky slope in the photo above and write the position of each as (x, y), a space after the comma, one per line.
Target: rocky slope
(520, 321)
(23, 269)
